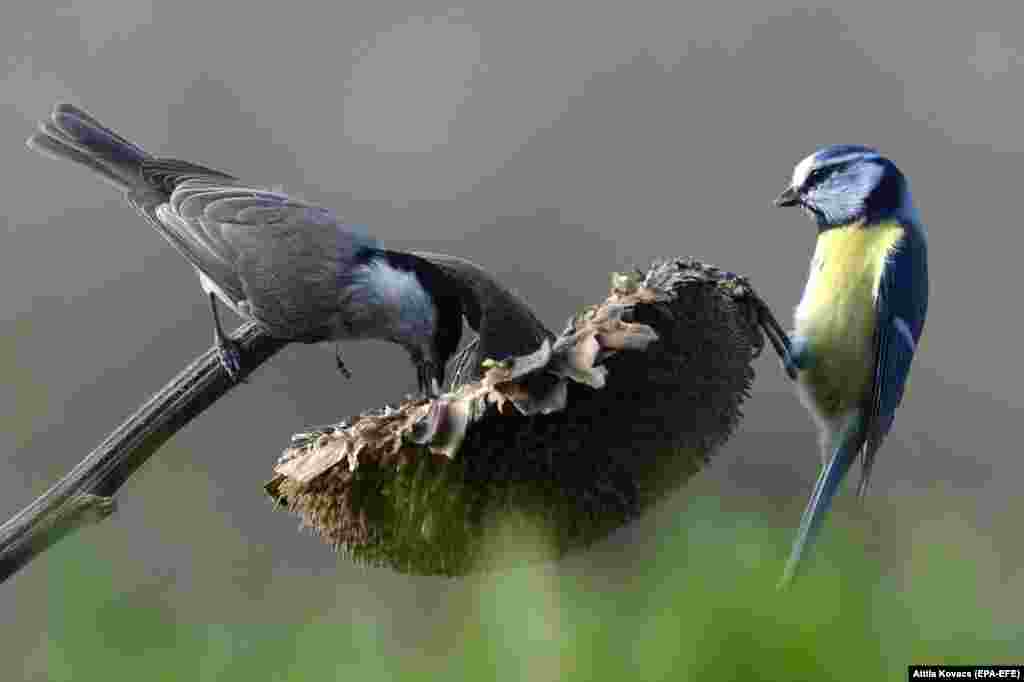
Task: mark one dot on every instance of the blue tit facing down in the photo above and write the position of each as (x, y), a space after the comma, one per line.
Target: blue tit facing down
(861, 315)
(294, 267)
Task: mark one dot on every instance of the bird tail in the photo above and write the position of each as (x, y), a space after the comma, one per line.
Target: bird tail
(872, 442)
(73, 134)
(832, 474)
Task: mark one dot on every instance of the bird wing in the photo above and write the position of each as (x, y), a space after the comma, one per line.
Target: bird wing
(74, 134)
(247, 243)
(287, 258)
(900, 308)
(187, 236)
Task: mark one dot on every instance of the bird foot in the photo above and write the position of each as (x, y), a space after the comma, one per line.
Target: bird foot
(797, 357)
(780, 340)
(229, 352)
(790, 366)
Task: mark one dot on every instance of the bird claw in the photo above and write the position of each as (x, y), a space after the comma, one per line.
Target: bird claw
(229, 352)
(790, 366)
(797, 357)
(779, 339)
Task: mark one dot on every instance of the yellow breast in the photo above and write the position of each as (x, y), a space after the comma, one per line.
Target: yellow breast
(837, 313)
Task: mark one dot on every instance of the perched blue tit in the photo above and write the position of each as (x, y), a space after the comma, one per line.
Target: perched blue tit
(861, 316)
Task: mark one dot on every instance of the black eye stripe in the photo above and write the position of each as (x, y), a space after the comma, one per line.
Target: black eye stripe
(819, 174)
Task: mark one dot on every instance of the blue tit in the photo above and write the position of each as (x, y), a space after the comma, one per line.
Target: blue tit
(294, 267)
(861, 315)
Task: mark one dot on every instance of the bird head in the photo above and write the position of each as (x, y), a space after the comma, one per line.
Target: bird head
(437, 304)
(447, 331)
(844, 184)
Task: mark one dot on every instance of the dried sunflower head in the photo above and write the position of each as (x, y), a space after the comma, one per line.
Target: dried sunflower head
(573, 440)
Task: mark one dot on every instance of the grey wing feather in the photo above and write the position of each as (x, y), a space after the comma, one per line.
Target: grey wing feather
(900, 308)
(285, 257)
(292, 259)
(183, 235)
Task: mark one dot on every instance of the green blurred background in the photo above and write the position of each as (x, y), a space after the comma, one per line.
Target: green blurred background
(551, 144)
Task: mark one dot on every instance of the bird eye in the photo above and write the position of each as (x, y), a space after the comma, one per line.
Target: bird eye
(817, 175)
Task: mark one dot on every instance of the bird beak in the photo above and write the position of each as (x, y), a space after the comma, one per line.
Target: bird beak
(789, 197)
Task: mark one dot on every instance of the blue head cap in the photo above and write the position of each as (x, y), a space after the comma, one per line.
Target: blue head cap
(843, 184)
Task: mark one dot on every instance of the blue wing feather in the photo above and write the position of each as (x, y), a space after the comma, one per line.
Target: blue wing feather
(900, 307)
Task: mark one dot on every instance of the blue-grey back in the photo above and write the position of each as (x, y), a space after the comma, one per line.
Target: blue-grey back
(289, 259)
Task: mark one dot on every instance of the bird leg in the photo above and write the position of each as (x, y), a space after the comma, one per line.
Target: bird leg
(228, 351)
(798, 356)
(342, 367)
(784, 347)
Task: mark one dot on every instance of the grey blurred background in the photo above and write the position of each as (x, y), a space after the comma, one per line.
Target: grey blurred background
(551, 144)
